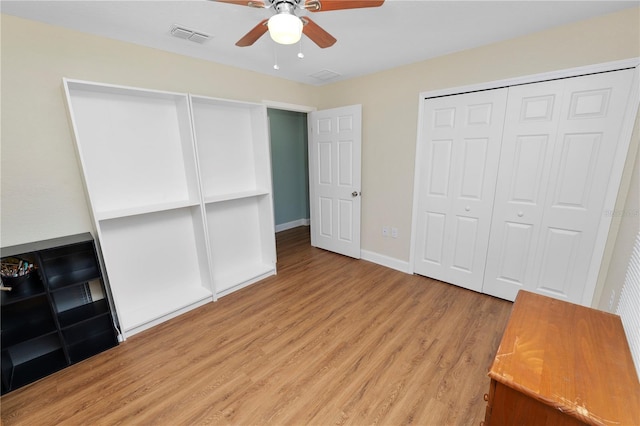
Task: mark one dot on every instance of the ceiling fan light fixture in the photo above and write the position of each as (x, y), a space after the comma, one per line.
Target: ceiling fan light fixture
(285, 28)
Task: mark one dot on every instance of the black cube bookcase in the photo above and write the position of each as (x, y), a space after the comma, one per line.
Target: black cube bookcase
(55, 315)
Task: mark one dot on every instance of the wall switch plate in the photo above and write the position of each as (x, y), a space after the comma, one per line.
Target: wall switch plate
(394, 232)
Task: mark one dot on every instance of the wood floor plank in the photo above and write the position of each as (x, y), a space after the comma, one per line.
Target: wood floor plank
(328, 340)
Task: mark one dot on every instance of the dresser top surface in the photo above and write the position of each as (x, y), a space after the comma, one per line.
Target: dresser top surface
(573, 358)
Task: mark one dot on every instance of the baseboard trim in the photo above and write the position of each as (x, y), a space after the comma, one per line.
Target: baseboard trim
(389, 262)
(293, 224)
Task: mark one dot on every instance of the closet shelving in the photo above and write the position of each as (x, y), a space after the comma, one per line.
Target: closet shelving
(180, 191)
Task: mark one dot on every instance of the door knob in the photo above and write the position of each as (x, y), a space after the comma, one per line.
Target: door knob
(467, 208)
(520, 214)
(355, 193)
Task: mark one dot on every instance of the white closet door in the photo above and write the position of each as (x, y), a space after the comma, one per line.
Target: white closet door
(558, 152)
(459, 157)
(533, 114)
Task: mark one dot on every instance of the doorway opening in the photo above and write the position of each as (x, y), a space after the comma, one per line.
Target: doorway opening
(289, 167)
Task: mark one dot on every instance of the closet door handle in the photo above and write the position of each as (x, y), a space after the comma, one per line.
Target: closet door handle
(520, 214)
(467, 209)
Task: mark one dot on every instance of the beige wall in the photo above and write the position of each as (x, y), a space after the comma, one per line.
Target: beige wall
(625, 225)
(42, 194)
(390, 106)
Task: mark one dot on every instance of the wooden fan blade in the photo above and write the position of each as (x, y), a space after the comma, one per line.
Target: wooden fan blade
(253, 35)
(250, 3)
(325, 5)
(316, 33)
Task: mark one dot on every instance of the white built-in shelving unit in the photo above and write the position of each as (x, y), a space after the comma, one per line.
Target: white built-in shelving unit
(180, 191)
(232, 142)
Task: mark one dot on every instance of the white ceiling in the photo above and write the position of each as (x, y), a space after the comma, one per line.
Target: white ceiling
(369, 40)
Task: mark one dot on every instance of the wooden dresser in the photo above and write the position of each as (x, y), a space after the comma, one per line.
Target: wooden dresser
(562, 364)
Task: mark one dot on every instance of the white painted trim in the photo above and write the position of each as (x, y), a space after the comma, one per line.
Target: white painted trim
(246, 283)
(288, 107)
(382, 260)
(613, 189)
(417, 170)
(534, 78)
(156, 321)
(292, 224)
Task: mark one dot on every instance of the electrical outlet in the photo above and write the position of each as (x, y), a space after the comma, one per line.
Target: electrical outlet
(385, 231)
(394, 232)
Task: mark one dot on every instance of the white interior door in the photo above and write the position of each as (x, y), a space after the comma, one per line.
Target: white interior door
(558, 152)
(334, 179)
(459, 155)
(533, 114)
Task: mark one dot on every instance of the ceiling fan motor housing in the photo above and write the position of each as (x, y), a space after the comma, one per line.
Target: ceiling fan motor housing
(285, 27)
(293, 25)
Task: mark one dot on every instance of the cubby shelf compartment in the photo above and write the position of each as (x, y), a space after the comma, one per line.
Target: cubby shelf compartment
(83, 312)
(157, 263)
(70, 265)
(22, 288)
(64, 290)
(32, 360)
(24, 321)
(87, 338)
(241, 243)
(135, 147)
(233, 146)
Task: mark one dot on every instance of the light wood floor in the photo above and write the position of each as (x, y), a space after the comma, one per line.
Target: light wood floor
(329, 340)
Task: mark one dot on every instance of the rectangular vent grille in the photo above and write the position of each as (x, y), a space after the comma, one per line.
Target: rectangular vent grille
(189, 34)
(325, 75)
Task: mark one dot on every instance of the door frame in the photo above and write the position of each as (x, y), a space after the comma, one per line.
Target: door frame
(615, 182)
(293, 108)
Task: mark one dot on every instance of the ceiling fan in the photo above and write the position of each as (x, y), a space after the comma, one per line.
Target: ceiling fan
(285, 27)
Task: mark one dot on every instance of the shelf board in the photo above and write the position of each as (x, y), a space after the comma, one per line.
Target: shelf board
(83, 312)
(79, 276)
(218, 198)
(37, 367)
(26, 333)
(92, 345)
(34, 348)
(160, 304)
(140, 210)
(238, 278)
(23, 289)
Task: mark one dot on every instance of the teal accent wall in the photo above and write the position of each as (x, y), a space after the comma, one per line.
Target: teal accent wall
(290, 165)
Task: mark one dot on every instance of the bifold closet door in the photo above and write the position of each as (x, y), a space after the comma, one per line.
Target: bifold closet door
(558, 149)
(458, 158)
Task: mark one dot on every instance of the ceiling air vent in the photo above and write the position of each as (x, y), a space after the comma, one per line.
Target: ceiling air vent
(325, 75)
(189, 34)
